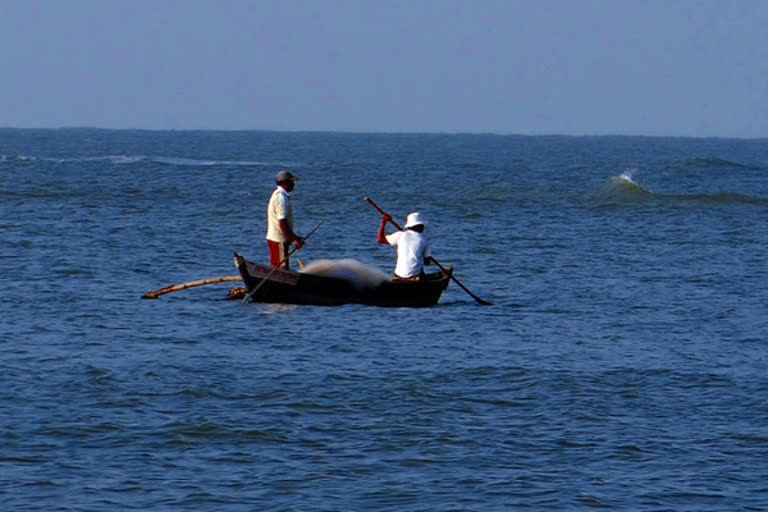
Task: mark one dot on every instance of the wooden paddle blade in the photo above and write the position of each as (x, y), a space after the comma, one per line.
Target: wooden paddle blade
(455, 280)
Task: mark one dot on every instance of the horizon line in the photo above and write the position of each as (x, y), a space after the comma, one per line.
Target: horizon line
(375, 132)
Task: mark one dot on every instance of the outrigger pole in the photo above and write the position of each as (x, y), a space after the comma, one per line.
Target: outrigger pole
(153, 294)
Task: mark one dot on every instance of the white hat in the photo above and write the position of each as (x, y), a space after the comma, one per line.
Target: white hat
(413, 219)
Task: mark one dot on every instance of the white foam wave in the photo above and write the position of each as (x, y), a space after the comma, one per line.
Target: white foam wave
(207, 163)
(133, 159)
(627, 175)
(117, 159)
(125, 159)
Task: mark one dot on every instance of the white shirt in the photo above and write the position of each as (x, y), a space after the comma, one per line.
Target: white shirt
(279, 208)
(412, 248)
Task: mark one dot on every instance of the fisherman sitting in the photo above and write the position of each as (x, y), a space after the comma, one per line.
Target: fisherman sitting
(412, 246)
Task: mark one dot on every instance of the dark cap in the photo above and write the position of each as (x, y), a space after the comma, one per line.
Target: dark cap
(284, 176)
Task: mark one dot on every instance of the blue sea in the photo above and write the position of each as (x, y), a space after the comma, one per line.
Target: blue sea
(623, 365)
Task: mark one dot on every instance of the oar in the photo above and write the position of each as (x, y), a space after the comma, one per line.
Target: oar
(478, 299)
(272, 270)
(153, 294)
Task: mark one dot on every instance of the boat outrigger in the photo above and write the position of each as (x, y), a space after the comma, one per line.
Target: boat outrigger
(268, 284)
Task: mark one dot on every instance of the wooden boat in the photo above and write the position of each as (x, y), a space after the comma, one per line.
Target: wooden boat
(290, 287)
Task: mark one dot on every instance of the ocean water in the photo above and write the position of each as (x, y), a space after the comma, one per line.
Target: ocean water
(622, 366)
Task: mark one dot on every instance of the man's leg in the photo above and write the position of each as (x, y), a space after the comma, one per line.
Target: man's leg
(278, 252)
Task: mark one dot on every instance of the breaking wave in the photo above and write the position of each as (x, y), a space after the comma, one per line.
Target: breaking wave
(623, 189)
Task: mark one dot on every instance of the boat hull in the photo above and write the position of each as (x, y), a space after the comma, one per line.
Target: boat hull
(288, 287)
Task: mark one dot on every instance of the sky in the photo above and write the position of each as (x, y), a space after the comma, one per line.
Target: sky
(573, 67)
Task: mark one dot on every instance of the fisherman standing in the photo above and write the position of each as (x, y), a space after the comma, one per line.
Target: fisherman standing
(412, 246)
(280, 232)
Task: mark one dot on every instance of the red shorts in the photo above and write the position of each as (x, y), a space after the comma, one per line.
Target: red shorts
(278, 252)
